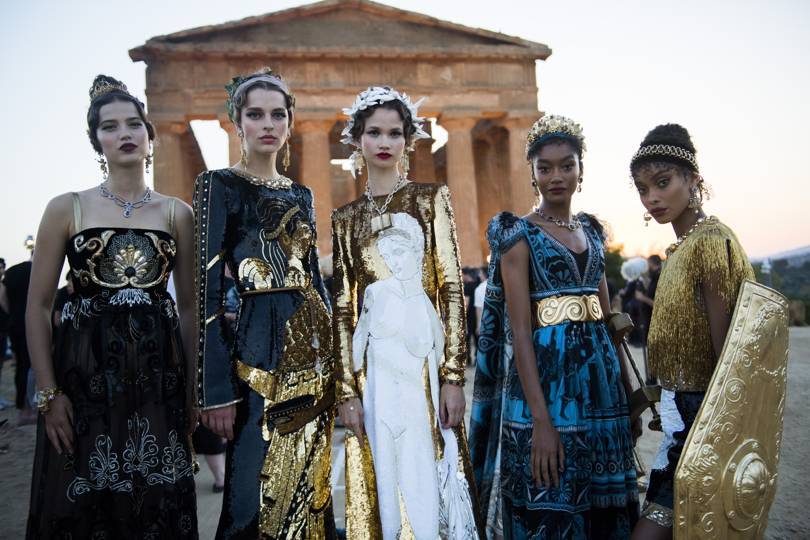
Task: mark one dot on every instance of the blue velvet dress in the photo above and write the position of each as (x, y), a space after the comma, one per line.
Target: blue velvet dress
(581, 379)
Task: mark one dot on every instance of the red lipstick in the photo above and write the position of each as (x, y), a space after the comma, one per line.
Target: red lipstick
(383, 155)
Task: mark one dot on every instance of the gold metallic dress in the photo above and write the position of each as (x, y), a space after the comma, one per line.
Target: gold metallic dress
(279, 367)
(357, 264)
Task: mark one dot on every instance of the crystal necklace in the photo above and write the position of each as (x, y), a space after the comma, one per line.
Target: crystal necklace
(382, 220)
(572, 225)
(126, 205)
(282, 182)
(671, 249)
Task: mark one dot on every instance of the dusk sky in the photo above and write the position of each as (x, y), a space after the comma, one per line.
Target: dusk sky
(735, 73)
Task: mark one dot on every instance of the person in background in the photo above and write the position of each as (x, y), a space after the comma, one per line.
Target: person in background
(478, 299)
(12, 300)
(4, 320)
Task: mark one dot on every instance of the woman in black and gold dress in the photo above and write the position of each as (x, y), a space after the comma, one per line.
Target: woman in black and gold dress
(112, 455)
(270, 390)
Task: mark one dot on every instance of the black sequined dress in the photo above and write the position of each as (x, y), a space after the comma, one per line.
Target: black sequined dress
(119, 359)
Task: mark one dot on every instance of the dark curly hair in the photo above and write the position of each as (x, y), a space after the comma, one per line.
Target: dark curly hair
(672, 135)
(119, 94)
(408, 127)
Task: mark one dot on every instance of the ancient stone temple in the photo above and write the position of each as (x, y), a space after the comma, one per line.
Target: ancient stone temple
(480, 87)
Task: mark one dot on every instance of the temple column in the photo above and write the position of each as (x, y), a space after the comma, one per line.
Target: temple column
(521, 193)
(422, 166)
(177, 160)
(234, 142)
(316, 173)
(461, 181)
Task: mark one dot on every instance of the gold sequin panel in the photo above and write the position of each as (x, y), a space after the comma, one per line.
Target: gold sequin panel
(357, 264)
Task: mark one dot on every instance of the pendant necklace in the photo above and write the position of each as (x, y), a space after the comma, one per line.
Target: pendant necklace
(126, 205)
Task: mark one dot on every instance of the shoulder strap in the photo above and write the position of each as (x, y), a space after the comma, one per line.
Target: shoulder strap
(77, 213)
(170, 214)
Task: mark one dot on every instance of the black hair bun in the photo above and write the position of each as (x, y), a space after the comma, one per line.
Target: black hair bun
(102, 81)
(672, 134)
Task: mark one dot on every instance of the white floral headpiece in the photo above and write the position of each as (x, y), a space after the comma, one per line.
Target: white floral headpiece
(377, 95)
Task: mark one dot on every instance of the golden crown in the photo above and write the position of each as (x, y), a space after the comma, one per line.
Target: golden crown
(554, 125)
(104, 87)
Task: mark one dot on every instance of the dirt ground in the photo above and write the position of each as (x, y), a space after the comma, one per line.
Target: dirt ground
(787, 519)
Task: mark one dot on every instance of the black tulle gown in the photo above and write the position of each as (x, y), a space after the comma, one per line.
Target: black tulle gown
(118, 357)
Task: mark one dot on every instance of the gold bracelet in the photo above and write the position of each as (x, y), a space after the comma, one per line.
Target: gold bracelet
(44, 397)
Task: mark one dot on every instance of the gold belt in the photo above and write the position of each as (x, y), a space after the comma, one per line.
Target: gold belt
(559, 309)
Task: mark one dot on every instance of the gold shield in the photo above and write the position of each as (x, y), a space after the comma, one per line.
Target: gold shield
(726, 478)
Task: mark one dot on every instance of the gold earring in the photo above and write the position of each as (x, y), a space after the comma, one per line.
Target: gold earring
(405, 163)
(647, 218)
(243, 158)
(285, 162)
(102, 163)
(694, 200)
(357, 162)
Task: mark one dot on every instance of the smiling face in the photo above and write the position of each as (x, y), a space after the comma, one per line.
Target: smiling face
(122, 134)
(383, 138)
(264, 121)
(557, 171)
(664, 190)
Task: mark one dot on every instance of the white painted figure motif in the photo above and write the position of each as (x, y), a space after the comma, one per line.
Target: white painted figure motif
(401, 339)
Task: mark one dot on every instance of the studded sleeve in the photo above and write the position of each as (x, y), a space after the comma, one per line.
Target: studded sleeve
(216, 383)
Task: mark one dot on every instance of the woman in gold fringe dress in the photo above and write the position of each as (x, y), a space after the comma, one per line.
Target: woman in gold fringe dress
(694, 301)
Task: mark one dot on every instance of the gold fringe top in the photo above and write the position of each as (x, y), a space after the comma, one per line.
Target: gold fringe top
(681, 354)
(357, 264)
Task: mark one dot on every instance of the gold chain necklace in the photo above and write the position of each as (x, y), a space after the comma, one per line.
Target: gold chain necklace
(672, 247)
(282, 182)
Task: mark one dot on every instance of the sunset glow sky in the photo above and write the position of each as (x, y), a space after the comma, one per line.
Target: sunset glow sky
(735, 73)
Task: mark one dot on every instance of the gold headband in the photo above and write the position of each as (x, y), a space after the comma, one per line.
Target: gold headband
(666, 151)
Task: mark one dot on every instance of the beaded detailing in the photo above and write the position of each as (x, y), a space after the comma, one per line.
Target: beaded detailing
(666, 150)
(572, 225)
(706, 219)
(282, 182)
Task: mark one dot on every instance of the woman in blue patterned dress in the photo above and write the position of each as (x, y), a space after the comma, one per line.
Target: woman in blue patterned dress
(550, 437)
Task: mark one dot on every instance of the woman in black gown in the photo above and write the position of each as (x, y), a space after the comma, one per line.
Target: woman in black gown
(112, 456)
(270, 390)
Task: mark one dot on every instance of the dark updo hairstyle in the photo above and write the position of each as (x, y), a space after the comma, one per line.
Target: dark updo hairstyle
(408, 126)
(242, 86)
(117, 92)
(670, 135)
(538, 144)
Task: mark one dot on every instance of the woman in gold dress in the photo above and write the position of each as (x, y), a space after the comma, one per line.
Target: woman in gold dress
(694, 302)
(382, 125)
(269, 390)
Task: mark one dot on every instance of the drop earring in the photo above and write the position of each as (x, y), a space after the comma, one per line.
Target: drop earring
(285, 162)
(357, 162)
(694, 200)
(243, 158)
(647, 218)
(148, 160)
(102, 163)
(579, 185)
(405, 163)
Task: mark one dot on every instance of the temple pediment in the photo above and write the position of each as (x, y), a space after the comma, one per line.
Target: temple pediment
(340, 27)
